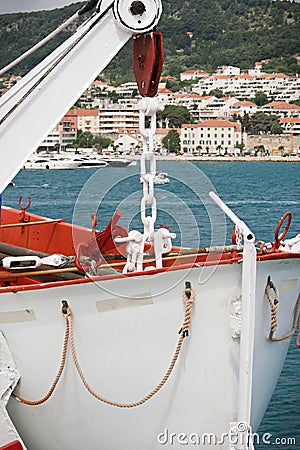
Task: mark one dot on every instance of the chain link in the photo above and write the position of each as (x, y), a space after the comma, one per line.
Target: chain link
(148, 107)
(162, 238)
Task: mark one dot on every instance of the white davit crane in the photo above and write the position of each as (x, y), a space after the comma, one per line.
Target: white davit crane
(32, 108)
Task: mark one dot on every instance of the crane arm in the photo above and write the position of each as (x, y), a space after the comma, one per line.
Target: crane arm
(33, 107)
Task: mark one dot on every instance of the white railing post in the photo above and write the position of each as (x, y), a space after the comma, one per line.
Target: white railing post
(247, 324)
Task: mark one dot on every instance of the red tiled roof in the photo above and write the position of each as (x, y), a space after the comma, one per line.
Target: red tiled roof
(182, 95)
(213, 123)
(221, 76)
(282, 105)
(265, 75)
(244, 103)
(290, 119)
(164, 91)
(168, 77)
(281, 75)
(99, 83)
(245, 75)
(82, 112)
(191, 71)
(220, 123)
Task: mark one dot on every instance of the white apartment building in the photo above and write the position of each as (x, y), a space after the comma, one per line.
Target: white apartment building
(228, 70)
(278, 85)
(211, 136)
(164, 95)
(282, 109)
(217, 108)
(290, 125)
(58, 140)
(193, 74)
(119, 116)
(127, 89)
(244, 107)
(187, 100)
(87, 119)
(290, 89)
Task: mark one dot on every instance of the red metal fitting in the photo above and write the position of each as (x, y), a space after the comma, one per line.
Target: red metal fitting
(148, 58)
(23, 218)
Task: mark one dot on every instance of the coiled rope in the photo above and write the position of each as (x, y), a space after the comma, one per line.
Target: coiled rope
(274, 315)
(188, 299)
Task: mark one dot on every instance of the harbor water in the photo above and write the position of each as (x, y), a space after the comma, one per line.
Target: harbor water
(258, 192)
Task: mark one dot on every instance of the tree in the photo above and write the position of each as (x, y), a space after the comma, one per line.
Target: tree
(100, 142)
(113, 96)
(175, 115)
(84, 139)
(297, 102)
(217, 93)
(173, 85)
(276, 128)
(260, 98)
(259, 123)
(172, 141)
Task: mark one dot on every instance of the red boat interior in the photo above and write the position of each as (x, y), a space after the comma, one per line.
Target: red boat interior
(26, 234)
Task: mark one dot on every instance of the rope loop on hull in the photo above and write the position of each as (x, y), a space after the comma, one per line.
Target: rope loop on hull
(188, 300)
(59, 373)
(274, 315)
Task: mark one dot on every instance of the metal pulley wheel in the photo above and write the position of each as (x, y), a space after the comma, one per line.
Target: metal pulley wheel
(138, 15)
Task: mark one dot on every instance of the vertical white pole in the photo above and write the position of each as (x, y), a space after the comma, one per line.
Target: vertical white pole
(247, 330)
(242, 426)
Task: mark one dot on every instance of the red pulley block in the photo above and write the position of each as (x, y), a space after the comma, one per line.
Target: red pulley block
(148, 58)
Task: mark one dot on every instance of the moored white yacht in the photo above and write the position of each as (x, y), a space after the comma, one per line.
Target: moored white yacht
(50, 163)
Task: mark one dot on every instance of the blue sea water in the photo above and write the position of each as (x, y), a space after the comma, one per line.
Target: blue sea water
(258, 192)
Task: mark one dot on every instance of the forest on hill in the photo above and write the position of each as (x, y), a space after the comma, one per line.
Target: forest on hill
(197, 34)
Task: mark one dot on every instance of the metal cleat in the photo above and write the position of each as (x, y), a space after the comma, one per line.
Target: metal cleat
(162, 244)
(134, 249)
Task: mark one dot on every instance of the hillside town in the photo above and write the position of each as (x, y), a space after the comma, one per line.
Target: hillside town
(218, 105)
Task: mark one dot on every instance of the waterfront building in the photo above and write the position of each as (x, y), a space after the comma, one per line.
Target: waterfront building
(121, 115)
(290, 125)
(211, 136)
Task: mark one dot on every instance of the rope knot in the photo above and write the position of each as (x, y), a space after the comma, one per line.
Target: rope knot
(274, 315)
(188, 300)
(66, 310)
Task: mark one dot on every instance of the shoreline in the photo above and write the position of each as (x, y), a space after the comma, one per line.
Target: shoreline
(290, 159)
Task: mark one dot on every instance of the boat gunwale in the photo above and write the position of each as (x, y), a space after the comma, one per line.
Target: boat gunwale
(99, 278)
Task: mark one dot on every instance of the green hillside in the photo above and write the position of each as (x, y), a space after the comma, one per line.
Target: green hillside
(223, 32)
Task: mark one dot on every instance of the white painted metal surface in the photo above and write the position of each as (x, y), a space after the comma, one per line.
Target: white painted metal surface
(243, 425)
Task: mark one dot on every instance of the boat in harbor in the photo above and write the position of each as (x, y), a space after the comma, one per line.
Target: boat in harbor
(161, 178)
(42, 163)
(115, 337)
(89, 161)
